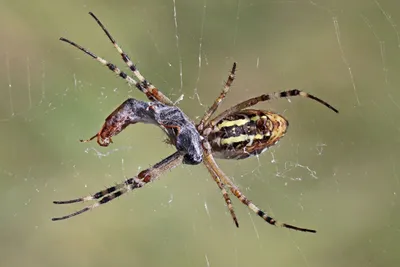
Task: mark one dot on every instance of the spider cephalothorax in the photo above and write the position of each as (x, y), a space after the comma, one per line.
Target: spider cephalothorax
(236, 133)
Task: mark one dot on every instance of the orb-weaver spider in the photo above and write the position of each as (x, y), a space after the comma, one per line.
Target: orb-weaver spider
(236, 133)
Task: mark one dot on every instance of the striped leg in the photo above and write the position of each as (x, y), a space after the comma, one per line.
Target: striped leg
(110, 66)
(221, 97)
(150, 90)
(210, 163)
(224, 194)
(267, 97)
(130, 184)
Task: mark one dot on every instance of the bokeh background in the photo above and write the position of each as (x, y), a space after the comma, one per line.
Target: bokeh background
(337, 173)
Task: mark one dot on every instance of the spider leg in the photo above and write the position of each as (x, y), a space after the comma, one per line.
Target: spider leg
(210, 163)
(110, 66)
(267, 97)
(220, 98)
(99, 194)
(130, 184)
(224, 193)
(124, 187)
(150, 90)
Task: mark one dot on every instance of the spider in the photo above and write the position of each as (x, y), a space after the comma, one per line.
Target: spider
(236, 133)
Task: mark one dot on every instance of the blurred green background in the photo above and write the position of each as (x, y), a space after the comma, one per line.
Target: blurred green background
(335, 173)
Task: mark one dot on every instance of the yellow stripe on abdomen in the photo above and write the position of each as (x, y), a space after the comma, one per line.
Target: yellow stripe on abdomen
(241, 138)
(240, 122)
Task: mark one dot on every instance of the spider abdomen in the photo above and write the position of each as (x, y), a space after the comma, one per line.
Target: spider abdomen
(246, 133)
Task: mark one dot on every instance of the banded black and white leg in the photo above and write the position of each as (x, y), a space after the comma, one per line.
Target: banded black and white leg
(267, 97)
(110, 193)
(149, 89)
(213, 167)
(224, 194)
(109, 65)
(219, 99)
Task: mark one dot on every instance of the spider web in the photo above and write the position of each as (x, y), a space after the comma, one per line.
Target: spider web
(336, 173)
